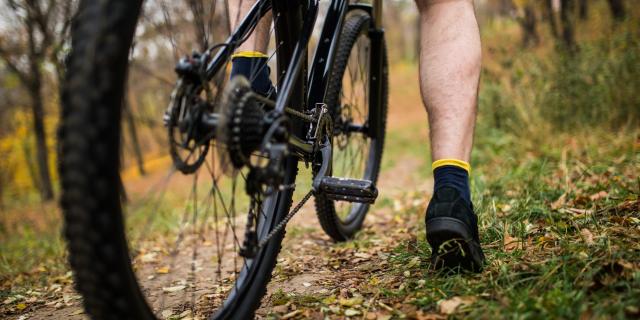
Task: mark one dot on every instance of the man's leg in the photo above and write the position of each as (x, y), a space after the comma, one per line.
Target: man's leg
(449, 74)
(250, 58)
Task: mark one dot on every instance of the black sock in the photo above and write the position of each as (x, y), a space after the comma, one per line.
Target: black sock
(453, 176)
(256, 70)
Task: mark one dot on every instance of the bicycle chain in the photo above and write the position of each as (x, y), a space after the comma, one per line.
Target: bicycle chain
(286, 219)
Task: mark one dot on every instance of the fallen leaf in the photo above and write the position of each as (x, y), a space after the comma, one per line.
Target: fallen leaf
(10, 300)
(587, 236)
(598, 195)
(510, 243)
(449, 306)
(421, 315)
(167, 313)
(362, 255)
(149, 257)
(350, 302)
(291, 314)
(280, 309)
(413, 262)
(560, 202)
(77, 312)
(163, 270)
(21, 306)
(382, 304)
(351, 312)
(174, 288)
(626, 264)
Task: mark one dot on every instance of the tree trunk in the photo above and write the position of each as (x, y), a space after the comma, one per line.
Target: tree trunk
(548, 4)
(42, 152)
(568, 35)
(133, 134)
(617, 9)
(583, 9)
(529, 31)
(2, 183)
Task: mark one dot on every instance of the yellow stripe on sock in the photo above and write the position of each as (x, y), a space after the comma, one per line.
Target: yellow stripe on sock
(249, 54)
(451, 162)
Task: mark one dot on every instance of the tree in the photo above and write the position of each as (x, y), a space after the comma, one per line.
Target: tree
(566, 18)
(41, 32)
(583, 9)
(528, 22)
(551, 17)
(617, 9)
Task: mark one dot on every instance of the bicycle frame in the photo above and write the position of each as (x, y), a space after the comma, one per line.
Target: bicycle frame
(318, 78)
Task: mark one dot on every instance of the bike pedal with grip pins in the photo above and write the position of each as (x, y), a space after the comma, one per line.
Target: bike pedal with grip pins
(351, 190)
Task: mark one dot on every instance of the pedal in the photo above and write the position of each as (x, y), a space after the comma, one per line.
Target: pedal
(351, 190)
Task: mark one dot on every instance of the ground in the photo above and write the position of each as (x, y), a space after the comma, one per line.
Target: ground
(560, 225)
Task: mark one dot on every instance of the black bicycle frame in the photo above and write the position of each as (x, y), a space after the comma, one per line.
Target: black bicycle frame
(320, 72)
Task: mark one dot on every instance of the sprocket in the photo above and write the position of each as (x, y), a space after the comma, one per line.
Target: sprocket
(242, 125)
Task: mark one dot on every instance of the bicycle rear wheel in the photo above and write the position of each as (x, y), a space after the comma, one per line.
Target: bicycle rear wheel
(135, 253)
(357, 151)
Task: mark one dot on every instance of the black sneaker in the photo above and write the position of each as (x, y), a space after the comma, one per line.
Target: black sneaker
(452, 232)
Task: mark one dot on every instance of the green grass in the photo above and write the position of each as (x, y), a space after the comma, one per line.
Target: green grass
(554, 271)
(31, 257)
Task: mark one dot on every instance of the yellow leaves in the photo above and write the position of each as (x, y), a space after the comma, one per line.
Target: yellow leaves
(18, 149)
(21, 306)
(163, 270)
(329, 300)
(148, 257)
(374, 281)
(350, 302)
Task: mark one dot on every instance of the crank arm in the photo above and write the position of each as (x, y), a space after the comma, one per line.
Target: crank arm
(327, 155)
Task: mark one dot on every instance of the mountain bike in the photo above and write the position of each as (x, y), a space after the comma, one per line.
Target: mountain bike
(234, 154)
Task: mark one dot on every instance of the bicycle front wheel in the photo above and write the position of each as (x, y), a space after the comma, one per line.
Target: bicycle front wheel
(165, 244)
(357, 151)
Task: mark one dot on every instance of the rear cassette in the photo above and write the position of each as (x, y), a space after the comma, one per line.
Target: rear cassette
(241, 128)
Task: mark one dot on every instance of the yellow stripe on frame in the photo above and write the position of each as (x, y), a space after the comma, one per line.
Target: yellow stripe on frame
(249, 54)
(451, 162)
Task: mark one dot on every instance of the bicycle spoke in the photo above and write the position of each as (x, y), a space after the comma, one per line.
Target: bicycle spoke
(202, 226)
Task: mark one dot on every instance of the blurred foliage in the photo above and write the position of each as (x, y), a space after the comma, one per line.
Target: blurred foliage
(17, 163)
(524, 90)
(532, 91)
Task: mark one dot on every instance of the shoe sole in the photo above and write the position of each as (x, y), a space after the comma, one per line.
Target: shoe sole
(453, 246)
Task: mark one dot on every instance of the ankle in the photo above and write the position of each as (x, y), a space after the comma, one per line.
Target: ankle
(253, 66)
(452, 173)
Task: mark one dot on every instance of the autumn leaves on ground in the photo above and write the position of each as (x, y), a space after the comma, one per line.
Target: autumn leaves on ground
(555, 182)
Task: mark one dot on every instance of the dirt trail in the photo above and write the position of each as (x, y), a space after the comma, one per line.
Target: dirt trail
(309, 263)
